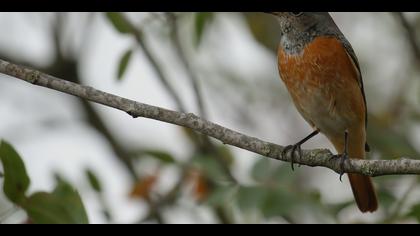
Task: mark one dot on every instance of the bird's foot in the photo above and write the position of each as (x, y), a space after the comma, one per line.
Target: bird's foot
(295, 151)
(343, 158)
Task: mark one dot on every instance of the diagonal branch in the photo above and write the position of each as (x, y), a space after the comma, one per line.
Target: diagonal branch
(411, 34)
(316, 157)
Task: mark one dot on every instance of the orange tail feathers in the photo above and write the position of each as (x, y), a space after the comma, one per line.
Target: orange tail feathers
(363, 190)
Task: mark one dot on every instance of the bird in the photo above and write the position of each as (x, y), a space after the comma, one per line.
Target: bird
(322, 75)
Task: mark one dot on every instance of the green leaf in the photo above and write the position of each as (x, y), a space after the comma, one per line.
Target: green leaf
(279, 202)
(16, 180)
(161, 156)
(119, 22)
(210, 167)
(415, 212)
(202, 19)
(123, 65)
(225, 154)
(93, 180)
(265, 29)
(252, 197)
(386, 140)
(261, 170)
(284, 176)
(62, 206)
(221, 195)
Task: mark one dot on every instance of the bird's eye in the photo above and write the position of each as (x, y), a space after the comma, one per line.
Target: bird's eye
(296, 13)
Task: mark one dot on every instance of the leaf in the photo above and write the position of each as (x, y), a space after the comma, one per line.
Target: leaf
(202, 19)
(16, 180)
(93, 180)
(160, 155)
(252, 197)
(201, 186)
(284, 176)
(386, 197)
(62, 206)
(221, 195)
(279, 203)
(144, 187)
(225, 154)
(211, 168)
(123, 65)
(415, 212)
(261, 170)
(389, 142)
(265, 29)
(119, 22)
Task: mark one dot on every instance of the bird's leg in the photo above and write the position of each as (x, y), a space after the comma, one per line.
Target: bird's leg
(344, 156)
(296, 148)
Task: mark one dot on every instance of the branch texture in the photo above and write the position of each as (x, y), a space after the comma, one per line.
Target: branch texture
(316, 157)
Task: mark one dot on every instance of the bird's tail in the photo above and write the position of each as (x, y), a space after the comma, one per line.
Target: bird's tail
(363, 190)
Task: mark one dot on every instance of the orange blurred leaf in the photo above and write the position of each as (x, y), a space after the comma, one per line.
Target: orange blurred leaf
(143, 187)
(200, 185)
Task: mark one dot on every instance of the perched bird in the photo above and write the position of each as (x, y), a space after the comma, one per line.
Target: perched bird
(322, 74)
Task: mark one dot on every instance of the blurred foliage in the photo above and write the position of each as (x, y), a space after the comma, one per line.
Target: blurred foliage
(16, 179)
(272, 192)
(264, 28)
(122, 66)
(201, 21)
(94, 181)
(119, 22)
(62, 206)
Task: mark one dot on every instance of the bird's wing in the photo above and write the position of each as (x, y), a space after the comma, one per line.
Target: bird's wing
(355, 62)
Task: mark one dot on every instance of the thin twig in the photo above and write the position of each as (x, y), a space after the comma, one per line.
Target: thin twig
(316, 157)
(411, 34)
(181, 54)
(138, 35)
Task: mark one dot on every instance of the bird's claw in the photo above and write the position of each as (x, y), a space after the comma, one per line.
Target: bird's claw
(294, 149)
(343, 158)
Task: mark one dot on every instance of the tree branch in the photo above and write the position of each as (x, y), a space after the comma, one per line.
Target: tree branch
(138, 35)
(316, 157)
(411, 34)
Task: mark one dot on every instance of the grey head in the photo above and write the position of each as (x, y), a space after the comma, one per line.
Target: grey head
(300, 28)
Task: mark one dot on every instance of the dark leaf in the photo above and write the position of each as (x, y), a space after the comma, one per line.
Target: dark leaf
(221, 195)
(283, 175)
(252, 197)
(261, 170)
(279, 202)
(143, 188)
(16, 180)
(119, 22)
(211, 168)
(389, 142)
(93, 181)
(386, 197)
(123, 64)
(265, 29)
(160, 155)
(415, 212)
(226, 154)
(202, 19)
(62, 206)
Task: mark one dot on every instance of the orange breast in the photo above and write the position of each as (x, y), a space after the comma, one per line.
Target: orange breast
(323, 81)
